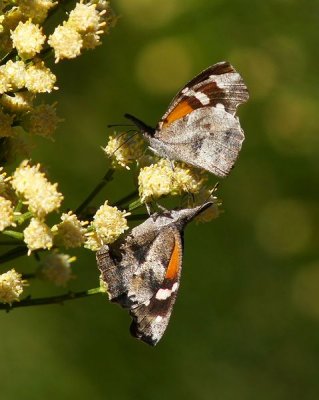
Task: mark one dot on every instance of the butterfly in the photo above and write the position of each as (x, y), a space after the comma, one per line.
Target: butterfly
(142, 271)
(200, 126)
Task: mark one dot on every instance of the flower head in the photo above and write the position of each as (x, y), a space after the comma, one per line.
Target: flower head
(28, 39)
(39, 78)
(162, 178)
(41, 196)
(155, 180)
(42, 120)
(19, 102)
(84, 18)
(123, 150)
(37, 235)
(108, 224)
(56, 268)
(6, 213)
(11, 286)
(15, 71)
(66, 42)
(37, 10)
(70, 232)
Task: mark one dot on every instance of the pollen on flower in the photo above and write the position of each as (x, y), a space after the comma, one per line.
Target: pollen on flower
(84, 18)
(70, 232)
(56, 268)
(39, 78)
(11, 286)
(6, 121)
(5, 83)
(6, 213)
(15, 71)
(108, 224)
(3, 181)
(28, 39)
(93, 241)
(42, 120)
(18, 102)
(37, 10)
(155, 180)
(123, 150)
(66, 42)
(41, 196)
(37, 235)
(187, 179)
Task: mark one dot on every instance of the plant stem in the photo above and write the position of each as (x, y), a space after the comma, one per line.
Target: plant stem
(125, 199)
(28, 301)
(13, 234)
(18, 251)
(107, 178)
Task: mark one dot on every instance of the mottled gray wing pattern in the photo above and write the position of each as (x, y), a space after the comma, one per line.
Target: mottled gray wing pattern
(208, 138)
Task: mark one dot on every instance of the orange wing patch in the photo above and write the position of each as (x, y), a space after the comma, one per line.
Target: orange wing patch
(174, 262)
(183, 108)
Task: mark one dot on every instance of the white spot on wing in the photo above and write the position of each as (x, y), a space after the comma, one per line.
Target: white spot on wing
(175, 287)
(163, 294)
(220, 106)
(202, 98)
(158, 319)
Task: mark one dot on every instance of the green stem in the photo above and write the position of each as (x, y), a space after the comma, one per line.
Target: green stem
(28, 301)
(20, 219)
(135, 204)
(125, 199)
(107, 178)
(13, 234)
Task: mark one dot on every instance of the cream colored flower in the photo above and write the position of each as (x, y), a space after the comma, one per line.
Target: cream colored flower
(42, 120)
(37, 235)
(56, 268)
(28, 39)
(108, 224)
(66, 42)
(6, 121)
(84, 18)
(15, 71)
(162, 178)
(123, 150)
(3, 181)
(5, 83)
(18, 102)
(155, 181)
(70, 232)
(41, 196)
(37, 10)
(187, 179)
(11, 286)
(39, 78)
(6, 213)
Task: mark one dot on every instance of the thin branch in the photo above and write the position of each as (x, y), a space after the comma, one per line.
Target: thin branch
(28, 301)
(125, 199)
(107, 178)
(18, 251)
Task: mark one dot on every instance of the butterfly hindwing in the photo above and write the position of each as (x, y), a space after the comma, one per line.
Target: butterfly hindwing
(142, 271)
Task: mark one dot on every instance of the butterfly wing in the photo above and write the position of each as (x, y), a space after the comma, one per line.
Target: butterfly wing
(150, 318)
(142, 275)
(200, 126)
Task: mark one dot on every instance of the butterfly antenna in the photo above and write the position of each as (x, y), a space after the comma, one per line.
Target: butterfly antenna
(125, 141)
(140, 124)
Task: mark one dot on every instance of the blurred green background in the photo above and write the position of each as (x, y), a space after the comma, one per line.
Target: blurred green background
(246, 322)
